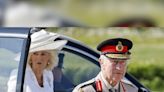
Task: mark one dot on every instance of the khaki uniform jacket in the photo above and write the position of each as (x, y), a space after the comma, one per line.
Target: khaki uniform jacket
(88, 86)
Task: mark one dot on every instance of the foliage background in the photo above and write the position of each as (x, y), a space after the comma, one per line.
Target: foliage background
(100, 13)
(146, 63)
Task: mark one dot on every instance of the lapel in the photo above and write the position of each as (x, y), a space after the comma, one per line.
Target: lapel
(121, 87)
(104, 87)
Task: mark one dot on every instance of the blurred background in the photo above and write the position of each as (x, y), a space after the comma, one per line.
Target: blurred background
(146, 63)
(147, 58)
(85, 13)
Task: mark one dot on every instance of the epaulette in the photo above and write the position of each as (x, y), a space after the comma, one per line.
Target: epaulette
(96, 84)
(82, 86)
(90, 82)
(80, 90)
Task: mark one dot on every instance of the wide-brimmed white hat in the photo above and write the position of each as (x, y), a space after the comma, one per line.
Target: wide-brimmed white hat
(44, 40)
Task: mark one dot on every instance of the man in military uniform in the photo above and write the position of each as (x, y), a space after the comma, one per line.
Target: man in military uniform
(113, 62)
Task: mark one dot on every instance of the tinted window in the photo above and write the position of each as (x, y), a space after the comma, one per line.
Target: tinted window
(10, 49)
(75, 69)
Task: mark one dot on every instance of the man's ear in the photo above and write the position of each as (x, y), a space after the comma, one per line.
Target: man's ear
(101, 61)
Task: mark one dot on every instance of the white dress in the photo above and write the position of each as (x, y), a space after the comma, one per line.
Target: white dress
(30, 82)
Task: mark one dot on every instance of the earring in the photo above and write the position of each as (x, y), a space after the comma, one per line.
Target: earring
(48, 63)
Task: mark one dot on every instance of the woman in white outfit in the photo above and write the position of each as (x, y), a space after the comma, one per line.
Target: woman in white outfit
(41, 60)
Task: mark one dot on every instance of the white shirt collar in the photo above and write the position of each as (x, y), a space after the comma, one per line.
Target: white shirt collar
(106, 82)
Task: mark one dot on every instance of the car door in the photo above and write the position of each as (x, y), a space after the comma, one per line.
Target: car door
(14, 44)
(79, 63)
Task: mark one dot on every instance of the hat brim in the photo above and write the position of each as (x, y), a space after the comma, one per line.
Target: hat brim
(118, 56)
(56, 45)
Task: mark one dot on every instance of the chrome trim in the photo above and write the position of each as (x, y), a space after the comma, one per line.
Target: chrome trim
(13, 35)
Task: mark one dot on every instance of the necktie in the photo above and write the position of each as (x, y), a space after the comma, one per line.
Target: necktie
(112, 90)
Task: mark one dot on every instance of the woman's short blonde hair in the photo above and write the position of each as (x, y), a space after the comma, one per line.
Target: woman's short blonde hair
(53, 59)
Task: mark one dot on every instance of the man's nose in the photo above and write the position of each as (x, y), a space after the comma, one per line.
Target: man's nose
(118, 66)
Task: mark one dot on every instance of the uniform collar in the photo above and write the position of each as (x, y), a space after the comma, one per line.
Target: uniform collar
(106, 82)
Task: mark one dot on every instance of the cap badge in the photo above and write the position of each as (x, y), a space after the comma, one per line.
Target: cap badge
(119, 46)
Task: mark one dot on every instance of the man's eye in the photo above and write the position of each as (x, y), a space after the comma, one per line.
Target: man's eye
(43, 54)
(116, 62)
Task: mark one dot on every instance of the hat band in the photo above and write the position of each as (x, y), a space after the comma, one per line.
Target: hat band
(113, 49)
(118, 56)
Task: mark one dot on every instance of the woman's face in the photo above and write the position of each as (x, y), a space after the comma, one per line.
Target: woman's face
(40, 59)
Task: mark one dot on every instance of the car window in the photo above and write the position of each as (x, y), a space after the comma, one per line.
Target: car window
(75, 70)
(10, 49)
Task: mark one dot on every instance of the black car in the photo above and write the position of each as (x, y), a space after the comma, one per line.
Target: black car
(77, 62)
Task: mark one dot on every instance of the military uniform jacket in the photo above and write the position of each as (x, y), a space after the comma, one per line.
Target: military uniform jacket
(89, 86)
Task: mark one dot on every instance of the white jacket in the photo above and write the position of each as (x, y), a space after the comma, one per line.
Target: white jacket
(30, 82)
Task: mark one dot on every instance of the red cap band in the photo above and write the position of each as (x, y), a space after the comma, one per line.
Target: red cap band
(113, 49)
